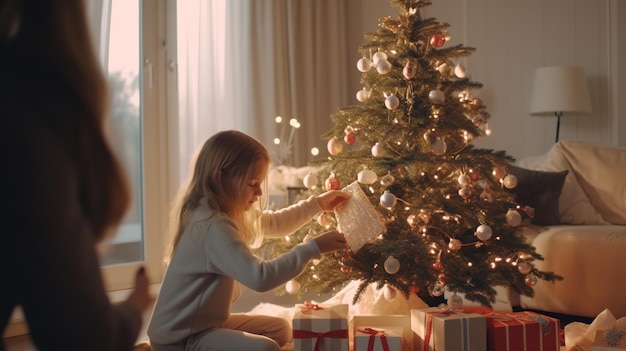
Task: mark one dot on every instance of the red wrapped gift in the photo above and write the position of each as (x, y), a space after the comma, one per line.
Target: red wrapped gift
(522, 331)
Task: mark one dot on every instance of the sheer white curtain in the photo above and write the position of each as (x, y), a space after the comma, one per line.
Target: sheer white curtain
(99, 15)
(243, 62)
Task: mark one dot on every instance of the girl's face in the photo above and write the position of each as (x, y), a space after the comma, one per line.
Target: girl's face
(252, 188)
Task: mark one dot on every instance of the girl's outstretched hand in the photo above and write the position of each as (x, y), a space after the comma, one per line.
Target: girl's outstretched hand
(331, 241)
(330, 199)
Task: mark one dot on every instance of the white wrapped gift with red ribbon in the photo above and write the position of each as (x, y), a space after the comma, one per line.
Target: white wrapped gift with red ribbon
(320, 328)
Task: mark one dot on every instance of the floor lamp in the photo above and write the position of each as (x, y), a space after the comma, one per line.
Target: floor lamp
(559, 89)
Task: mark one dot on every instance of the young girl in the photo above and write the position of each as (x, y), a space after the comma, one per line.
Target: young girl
(215, 223)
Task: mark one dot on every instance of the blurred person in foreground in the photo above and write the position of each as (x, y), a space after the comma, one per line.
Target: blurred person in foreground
(64, 190)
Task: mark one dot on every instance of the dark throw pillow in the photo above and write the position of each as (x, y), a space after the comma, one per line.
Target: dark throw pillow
(539, 190)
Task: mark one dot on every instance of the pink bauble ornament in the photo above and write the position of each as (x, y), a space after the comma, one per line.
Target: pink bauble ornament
(498, 173)
(335, 146)
(530, 280)
(364, 65)
(454, 244)
(349, 138)
(332, 183)
(409, 70)
(436, 96)
(392, 102)
(524, 267)
(438, 40)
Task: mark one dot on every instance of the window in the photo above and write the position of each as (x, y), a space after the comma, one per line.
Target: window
(135, 64)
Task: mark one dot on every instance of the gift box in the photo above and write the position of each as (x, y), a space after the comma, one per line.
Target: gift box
(320, 327)
(378, 339)
(436, 329)
(522, 331)
(611, 339)
(387, 322)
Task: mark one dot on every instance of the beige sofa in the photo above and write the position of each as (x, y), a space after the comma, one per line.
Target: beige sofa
(588, 246)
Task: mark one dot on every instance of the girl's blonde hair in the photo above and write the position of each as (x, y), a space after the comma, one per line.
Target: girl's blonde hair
(222, 168)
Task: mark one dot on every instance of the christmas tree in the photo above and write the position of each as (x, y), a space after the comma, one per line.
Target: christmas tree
(450, 217)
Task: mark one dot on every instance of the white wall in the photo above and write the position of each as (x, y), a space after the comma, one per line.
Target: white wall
(514, 37)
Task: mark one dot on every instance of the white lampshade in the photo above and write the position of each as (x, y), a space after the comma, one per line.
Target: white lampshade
(558, 89)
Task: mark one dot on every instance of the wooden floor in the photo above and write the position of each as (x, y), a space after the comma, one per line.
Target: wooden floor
(24, 343)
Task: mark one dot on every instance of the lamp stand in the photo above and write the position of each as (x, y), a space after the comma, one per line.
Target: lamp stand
(558, 124)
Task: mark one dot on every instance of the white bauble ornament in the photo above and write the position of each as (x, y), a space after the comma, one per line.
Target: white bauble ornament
(392, 102)
(464, 179)
(409, 70)
(459, 71)
(387, 199)
(364, 65)
(444, 69)
(292, 287)
(510, 181)
(436, 96)
(389, 293)
(379, 56)
(378, 150)
(335, 146)
(484, 232)
(383, 67)
(439, 147)
(465, 192)
(310, 180)
(454, 244)
(513, 218)
(455, 302)
(392, 265)
(367, 176)
(524, 267)
(363, 95)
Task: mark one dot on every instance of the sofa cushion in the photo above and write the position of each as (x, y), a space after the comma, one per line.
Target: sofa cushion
(539, 190)
(574, 205)
(600, 172)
